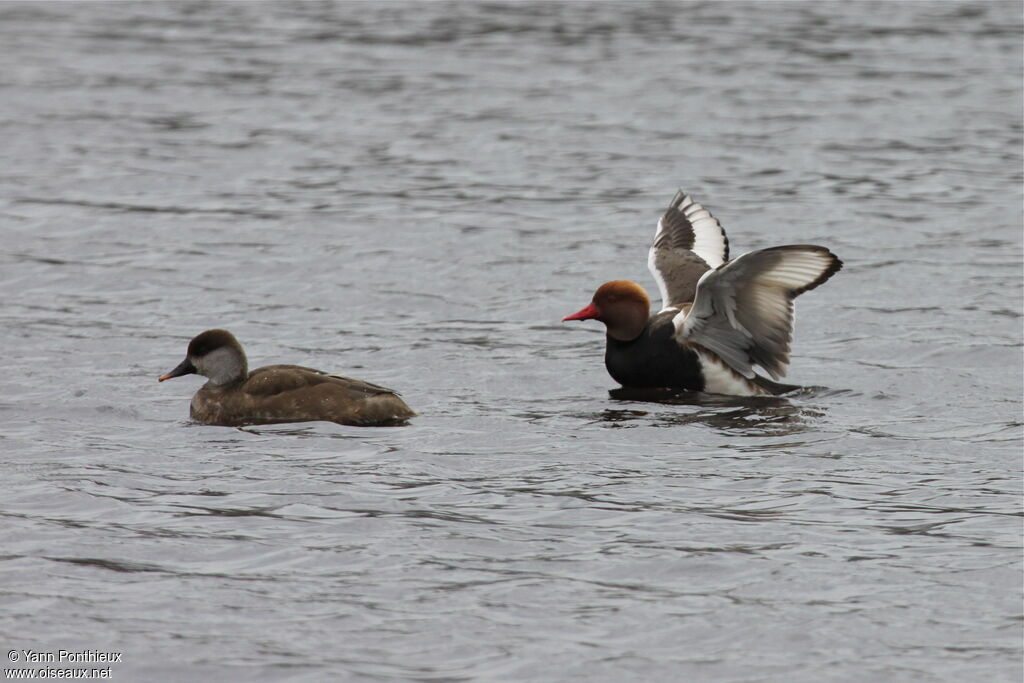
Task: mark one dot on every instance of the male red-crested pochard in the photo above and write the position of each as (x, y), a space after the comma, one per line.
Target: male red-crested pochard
(233, 396)
(719, 318)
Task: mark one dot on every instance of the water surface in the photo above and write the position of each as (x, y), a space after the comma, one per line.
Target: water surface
(415, 194)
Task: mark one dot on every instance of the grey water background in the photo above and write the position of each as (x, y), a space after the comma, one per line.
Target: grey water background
(415, 194)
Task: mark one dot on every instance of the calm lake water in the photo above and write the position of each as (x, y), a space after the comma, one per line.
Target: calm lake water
(415, 194)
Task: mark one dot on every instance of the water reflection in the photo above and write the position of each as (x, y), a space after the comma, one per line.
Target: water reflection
(744, 415)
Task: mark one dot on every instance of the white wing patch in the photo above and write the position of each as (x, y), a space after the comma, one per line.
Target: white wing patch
(709, 239)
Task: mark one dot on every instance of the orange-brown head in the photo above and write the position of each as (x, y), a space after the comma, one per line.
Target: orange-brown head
(622, 305)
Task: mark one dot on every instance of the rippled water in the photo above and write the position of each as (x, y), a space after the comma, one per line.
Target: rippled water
(415, 194)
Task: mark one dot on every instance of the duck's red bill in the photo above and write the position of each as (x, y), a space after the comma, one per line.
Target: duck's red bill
(584, 313)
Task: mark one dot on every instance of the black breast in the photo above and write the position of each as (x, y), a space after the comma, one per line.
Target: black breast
(654, 359)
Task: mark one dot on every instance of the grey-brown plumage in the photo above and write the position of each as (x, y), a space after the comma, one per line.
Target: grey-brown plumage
(278, 393)
(688, 242)
(743, 310)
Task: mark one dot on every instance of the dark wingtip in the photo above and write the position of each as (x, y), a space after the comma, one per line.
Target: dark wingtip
(834, 267)
(677, 199)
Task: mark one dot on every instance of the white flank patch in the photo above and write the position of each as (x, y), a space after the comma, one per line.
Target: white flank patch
(721, 379)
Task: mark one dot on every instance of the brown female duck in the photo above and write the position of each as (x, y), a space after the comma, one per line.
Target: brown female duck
(233, 396)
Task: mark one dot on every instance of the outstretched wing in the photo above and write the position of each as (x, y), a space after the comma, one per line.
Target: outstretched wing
(688, 242)
(743, 310)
